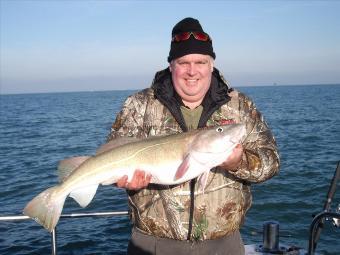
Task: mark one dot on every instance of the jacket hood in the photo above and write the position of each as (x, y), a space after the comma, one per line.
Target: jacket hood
(216, 96)
(162, 85)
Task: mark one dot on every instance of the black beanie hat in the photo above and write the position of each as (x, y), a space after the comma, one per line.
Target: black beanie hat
(190, 46)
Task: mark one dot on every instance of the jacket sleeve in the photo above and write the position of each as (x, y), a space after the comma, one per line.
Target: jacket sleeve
(260, 159)
(129, 120)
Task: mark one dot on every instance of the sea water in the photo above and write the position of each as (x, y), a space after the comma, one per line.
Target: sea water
(38, 130)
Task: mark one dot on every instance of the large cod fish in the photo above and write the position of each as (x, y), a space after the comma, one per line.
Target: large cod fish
(171, 159)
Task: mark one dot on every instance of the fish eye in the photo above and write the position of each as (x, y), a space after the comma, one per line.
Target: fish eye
(219, 129)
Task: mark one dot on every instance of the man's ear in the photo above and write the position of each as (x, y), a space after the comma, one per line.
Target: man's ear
(212, 64)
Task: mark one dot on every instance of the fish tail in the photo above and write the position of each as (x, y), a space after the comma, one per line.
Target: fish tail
(46, 207)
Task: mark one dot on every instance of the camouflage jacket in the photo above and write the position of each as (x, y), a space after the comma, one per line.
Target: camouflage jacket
(164, 210)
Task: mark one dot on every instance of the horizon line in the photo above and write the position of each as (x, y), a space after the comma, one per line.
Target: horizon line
(138, 89)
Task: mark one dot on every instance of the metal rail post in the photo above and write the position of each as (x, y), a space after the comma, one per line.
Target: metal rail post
(54, 241)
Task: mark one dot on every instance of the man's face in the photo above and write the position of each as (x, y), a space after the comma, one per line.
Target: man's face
(191, 76)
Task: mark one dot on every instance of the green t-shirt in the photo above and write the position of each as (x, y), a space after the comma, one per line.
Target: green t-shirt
(192, 116)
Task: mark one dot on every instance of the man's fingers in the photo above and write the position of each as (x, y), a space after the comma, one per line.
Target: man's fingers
(139, 180)
(144, 179)
(134, 181)
(147, 179)
(122, 182)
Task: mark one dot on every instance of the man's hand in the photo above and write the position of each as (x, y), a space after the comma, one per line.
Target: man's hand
(139, 180)
(234, 160)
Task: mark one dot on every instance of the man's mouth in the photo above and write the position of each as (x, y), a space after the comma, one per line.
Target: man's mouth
(192, 81)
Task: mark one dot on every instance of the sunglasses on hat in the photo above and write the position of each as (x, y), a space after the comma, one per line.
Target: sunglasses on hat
(200, 36)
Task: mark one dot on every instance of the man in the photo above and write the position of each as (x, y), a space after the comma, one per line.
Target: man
(191, 94)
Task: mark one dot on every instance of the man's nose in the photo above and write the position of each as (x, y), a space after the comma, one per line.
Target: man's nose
(192, 69)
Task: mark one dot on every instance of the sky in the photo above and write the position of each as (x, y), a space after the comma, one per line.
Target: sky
(70, 45)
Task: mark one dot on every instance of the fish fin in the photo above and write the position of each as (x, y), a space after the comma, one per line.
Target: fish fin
(202, 180)
(183, 168)
(116, 143)
(67, 166)
(84, 195)
(46, 208)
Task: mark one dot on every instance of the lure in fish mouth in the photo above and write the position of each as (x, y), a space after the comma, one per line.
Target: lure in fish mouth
(170, 160)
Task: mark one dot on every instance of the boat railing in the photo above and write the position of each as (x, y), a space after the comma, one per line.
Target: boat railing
(70, 215)
(321, 217)
(319, 220)
(311, 249)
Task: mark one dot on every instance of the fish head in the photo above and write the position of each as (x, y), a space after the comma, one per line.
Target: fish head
(209, 148)
(219, 139)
